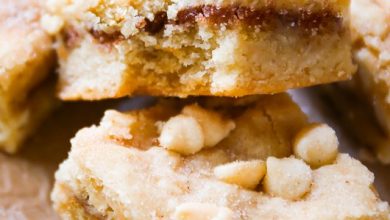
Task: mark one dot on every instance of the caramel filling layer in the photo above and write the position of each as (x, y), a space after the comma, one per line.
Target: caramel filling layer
(263, 17)
(268, 18)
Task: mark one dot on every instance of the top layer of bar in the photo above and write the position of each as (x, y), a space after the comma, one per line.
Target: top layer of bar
(110, 49)
(152, 16)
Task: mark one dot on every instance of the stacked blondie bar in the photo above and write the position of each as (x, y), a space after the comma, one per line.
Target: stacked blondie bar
(26, 58)
(218, 143)
(371, 86)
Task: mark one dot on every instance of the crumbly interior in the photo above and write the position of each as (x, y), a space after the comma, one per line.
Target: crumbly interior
(26, 59)
(371, 36)
(113, 174)
(113, 48)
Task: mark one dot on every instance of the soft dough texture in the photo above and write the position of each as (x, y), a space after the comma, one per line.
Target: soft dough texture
(117, 170)
(111, 49)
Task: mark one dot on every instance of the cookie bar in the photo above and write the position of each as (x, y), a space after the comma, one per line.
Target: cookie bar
(110, 49)
(371, 43)
(213, 159)
(26, 58)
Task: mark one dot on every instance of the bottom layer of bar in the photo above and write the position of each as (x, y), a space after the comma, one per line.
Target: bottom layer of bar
(135, 166)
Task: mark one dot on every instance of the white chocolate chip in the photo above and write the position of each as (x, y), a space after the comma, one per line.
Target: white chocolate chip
(214, 127)
(182, 134)
(51, 24)
(316, 144)
(202, 211)
(117, 125)
(247, 174)
(288, 178)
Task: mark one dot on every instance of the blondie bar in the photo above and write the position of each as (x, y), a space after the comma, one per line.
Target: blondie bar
(370, 21)
(26, 58)
(111, 49)
(252, 158)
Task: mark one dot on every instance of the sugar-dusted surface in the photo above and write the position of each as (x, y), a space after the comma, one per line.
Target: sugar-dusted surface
(106, 173)
(67, 120)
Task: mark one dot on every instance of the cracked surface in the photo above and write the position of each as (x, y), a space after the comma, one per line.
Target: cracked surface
(121, 176)
(26, 58)
(111, 49)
